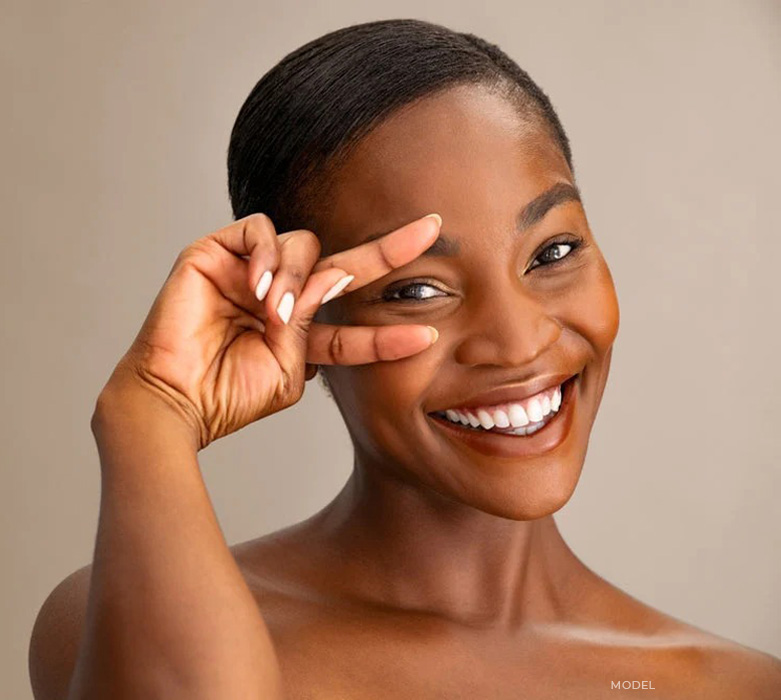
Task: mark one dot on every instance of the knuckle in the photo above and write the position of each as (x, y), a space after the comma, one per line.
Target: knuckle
(336, 346)
(304, 239)
(259, 219)
(260, 227)
(306, 317)
(304, 321)
(386, 261)
(312, 238)
(291, 387)
(189, 254)
(205, 247)
(189, 250)
(296, 274)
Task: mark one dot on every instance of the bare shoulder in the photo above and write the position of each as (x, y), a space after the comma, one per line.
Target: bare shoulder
(688, 661)
(56, 635)
(727, 668)
(736, 670)
(58, 627)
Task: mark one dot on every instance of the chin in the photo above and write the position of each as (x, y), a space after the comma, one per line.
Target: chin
(532, 504)
(525, 493)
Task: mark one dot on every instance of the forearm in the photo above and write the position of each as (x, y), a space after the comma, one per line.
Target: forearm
(169, 614)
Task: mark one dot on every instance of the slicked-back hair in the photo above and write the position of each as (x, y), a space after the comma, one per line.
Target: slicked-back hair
(304, 116)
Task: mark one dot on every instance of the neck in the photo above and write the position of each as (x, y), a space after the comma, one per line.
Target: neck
(407, 547)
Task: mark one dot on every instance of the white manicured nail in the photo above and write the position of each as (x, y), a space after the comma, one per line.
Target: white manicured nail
(285, 307)
(338, 287)
(263, 285)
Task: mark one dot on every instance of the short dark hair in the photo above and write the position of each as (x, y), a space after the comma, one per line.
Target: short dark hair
(307, 112)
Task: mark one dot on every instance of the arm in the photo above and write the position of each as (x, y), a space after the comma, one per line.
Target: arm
(164, 611)
(169, 614)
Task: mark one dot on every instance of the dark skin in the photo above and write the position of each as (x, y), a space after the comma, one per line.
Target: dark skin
(438, 571)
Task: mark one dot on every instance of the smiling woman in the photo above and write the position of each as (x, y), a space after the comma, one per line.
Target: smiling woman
(512, 318)
(438, 570)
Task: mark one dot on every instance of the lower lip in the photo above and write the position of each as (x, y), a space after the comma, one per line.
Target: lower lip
(547, 438)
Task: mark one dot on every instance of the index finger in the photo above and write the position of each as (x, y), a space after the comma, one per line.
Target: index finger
(375, 259)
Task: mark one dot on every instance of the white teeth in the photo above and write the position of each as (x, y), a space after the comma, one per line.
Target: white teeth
(535, 410)
(501, 420)
(485, 419)
(556, 400)
(515, 416)
(518, 417)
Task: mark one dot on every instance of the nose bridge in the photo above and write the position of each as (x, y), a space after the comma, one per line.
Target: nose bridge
(505, 325)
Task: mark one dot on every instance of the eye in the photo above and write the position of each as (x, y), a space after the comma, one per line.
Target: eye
(556, 251)
(399, 293)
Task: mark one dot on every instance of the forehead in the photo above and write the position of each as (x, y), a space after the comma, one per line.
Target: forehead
(465, 153)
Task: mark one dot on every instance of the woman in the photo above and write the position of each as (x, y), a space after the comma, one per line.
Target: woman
(438, 570)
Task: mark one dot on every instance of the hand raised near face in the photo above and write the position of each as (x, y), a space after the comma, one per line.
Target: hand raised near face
(225, 357)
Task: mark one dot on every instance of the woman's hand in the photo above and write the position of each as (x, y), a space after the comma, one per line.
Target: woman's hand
(225, 358)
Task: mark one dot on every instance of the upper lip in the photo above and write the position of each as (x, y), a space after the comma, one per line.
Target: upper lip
(512, 393)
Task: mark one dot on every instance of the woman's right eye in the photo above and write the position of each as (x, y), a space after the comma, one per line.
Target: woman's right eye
(390, 295)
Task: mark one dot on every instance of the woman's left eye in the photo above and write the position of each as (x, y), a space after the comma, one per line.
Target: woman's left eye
(558, 250)
(390, 294)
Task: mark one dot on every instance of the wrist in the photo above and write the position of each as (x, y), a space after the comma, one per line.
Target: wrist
(130, 403)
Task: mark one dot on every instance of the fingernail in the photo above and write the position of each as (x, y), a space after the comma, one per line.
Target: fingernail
(285, 307)
(434, 334)
(263, 285)
(435, 216)
(338, 287)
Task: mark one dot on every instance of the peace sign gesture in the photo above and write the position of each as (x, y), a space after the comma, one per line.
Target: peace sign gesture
(229, 336)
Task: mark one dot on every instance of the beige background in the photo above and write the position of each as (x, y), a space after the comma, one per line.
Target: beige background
(115, 125)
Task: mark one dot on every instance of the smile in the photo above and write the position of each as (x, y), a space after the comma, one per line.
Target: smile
(513, 418)
(493, 430)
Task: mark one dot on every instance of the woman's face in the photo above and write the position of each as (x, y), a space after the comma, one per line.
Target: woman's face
(508, 315)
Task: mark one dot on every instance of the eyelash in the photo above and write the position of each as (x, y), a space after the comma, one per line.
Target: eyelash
(573, 242)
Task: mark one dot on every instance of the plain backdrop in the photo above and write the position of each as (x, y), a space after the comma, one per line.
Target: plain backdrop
(115, 124)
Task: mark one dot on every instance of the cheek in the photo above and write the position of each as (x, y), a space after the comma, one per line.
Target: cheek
(591, 308)
(398, 385)
(385, 393)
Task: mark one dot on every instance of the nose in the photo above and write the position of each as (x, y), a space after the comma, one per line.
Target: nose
(507, 328)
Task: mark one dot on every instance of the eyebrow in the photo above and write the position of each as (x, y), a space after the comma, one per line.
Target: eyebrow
(531, 214)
